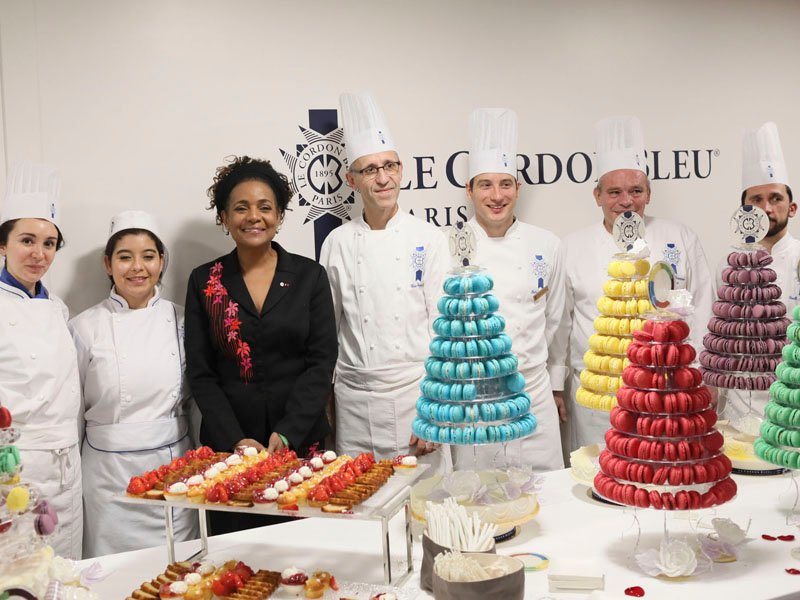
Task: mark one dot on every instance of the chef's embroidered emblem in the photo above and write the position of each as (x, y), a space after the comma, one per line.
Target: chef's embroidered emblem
(672, 255)
(53, 210)
(381, 137)
(225, 325)
(540, 269)
(418, 265)
(505, 159)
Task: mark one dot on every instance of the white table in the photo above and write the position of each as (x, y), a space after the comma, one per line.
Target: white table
(569, 524)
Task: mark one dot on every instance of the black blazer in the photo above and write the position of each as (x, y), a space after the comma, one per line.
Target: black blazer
(253, 374)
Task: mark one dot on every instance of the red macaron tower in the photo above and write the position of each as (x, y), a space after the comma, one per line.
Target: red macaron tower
(746, 336)
(663, 450)
(624, 301)
(26, 519)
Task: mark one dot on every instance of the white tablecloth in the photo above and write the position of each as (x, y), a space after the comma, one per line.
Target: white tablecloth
(568, 525)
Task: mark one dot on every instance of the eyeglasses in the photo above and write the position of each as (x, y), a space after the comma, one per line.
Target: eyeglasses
(390, 168)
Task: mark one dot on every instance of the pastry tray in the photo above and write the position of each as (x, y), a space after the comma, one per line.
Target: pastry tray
(381, 504)
(393, 498)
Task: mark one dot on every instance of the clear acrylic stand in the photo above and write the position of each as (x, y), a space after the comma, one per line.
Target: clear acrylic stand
(392, 498)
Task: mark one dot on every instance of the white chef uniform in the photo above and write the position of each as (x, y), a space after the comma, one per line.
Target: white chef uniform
(587, 253)
(763, 163)
(385, 285)
(136, 409)
(39, 372)
(529, 283)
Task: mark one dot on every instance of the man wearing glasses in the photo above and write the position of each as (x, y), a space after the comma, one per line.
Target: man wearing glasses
(386, 269)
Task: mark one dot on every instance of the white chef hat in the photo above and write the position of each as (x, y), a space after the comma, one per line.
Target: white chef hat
(619, 144)
(32, 192)
(493, 141)
(137, 219)
(762, 157)
(365, 128)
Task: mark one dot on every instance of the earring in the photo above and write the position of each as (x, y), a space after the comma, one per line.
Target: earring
(225, 229)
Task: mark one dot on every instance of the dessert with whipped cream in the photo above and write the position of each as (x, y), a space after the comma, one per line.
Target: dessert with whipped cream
(293, 581)
(404, 463)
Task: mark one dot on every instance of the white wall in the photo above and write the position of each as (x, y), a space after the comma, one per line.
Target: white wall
(137, 102)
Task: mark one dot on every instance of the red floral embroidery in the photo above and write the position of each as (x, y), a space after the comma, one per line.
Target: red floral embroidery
(225, 323)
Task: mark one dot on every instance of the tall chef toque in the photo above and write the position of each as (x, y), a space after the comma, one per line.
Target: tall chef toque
(493, 141)
(365, 128)
(32, 192)
(619, 144)
(762, 157)
(137, 219)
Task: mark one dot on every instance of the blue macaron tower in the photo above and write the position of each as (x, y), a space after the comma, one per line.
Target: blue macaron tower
(473, 392)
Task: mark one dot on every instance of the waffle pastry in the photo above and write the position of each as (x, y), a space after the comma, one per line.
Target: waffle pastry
(260, 586)
(365, 485)
(149, 590)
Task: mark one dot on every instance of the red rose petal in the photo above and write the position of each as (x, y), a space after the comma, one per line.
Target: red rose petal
(786, 538)
(769, 538)
(637, 591)
(789, 571)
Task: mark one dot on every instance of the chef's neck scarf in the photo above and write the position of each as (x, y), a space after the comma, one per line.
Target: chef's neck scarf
(9, 279)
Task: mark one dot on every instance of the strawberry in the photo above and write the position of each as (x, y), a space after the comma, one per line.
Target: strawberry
(204, 452)
(5, 417)
(243, 571)
(224, 496)
(137, 486)
(333, 584)
(231, 580)
(220, 589)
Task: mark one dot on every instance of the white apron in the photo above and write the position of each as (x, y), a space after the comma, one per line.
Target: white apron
(540, 451)
(132, 366)
(39, 385)
(376, 407)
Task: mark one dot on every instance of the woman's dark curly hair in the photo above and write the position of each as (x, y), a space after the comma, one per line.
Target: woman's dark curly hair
(244, 168)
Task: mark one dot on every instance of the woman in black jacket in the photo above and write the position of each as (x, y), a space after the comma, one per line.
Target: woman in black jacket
(260, 331)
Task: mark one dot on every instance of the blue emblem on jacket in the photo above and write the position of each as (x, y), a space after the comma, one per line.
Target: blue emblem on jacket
(540, 270)
(418, 265)
(672, 255)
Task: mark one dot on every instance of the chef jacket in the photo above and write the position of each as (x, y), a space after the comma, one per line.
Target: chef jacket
(385, 285)
(136, 411)
(39, 385)
(525, 265)
(587, 253)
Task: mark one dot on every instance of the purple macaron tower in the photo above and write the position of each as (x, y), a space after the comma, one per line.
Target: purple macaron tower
(748, 330)
(26, 518)
(622, 306)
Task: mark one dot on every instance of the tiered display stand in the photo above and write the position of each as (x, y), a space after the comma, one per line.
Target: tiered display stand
(392, 498)
(621, 307)
(745, 339)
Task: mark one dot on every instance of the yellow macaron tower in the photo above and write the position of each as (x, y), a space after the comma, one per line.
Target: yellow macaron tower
(624, 301)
